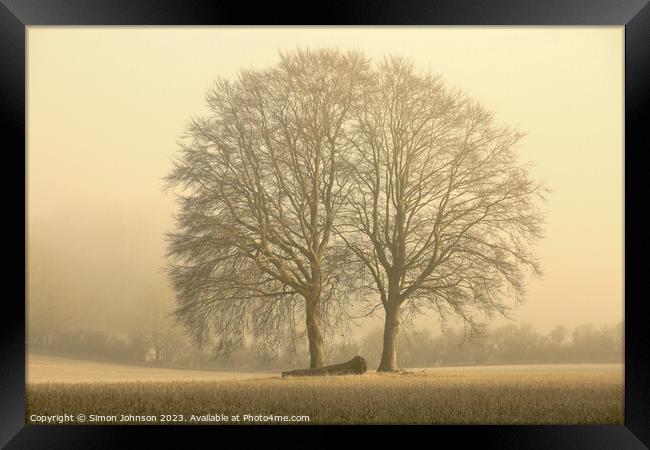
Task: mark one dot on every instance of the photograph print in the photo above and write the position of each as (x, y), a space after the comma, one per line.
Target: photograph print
(324, 225)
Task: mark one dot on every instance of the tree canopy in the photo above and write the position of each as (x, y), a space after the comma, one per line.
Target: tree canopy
(329, 179)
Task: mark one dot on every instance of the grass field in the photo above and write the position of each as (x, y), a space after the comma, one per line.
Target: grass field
(540, 394)
(55, 369)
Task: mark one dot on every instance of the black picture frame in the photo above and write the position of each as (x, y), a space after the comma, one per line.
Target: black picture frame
(15, 15)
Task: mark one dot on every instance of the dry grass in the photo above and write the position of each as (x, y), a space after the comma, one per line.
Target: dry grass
(440, 397)
(57, 369)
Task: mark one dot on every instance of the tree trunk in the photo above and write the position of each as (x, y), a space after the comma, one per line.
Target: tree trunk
(356, 365)
(314, 334)
(391, 330)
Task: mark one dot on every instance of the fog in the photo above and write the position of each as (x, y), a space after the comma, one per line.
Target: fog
(107, 105)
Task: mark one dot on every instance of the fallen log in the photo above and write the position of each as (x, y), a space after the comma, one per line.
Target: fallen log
(356, 365)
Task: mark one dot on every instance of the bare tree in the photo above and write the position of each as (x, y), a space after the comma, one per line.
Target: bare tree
(442, 214)
(263, 178)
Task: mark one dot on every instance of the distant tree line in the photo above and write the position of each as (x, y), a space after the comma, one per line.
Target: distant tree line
(508, 344)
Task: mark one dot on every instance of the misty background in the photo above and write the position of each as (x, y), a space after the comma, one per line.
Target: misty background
(107, 105)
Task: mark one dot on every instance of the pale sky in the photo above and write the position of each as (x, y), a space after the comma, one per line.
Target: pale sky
(107, 105)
